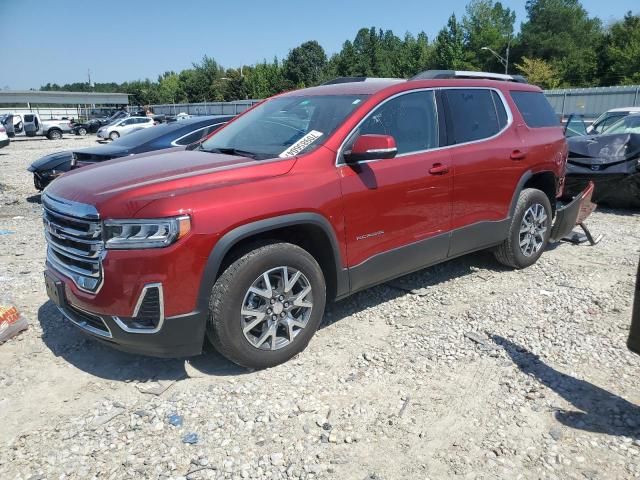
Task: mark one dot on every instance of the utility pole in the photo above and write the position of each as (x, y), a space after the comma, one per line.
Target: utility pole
(504, 61)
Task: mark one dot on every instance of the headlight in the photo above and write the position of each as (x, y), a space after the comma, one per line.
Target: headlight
(153, 233)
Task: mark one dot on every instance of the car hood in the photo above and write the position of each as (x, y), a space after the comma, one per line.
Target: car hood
(604, 149)
(102, 152)
(50, 161)
(121, 187)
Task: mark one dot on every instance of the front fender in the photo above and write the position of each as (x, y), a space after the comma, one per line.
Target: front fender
(231, 238)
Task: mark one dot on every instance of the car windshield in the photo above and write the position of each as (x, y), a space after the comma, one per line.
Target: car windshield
(630, 124)
(284, 126)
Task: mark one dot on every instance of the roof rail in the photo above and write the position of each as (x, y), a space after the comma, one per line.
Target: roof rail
(442, 74)
(338, 80)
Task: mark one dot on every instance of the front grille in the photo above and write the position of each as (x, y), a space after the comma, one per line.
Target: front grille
(74, 241)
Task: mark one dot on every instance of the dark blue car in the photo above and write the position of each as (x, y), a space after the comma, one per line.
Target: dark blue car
(167, 135)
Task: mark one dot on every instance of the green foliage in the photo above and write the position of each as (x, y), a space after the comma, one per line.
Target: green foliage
(487, 24)
(621, 58)
(561, 32)
(558, 45)
(539, 72)
(265, 79)
(449, 49)
(304, 66)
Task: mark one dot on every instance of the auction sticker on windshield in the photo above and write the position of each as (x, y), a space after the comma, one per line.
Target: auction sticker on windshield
(301, 144)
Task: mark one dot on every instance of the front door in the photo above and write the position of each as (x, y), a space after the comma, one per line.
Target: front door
(397, 210)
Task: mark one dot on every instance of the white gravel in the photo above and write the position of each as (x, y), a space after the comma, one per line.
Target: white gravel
(464, 370)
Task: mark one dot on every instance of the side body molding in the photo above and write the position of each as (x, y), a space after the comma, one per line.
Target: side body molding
(229, 239)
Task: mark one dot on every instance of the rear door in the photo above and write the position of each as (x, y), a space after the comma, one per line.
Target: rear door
(127, 125)
(484, 172)
(396, 211)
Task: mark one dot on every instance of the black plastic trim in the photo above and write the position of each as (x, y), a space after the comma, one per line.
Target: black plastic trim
(399, 261)
(516, 193)
(478, 236)
(228, 240)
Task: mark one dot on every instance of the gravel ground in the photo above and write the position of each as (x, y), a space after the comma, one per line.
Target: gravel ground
(464, 370)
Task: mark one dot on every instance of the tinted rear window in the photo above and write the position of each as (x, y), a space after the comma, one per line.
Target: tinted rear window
(473, 115)
(535, 109)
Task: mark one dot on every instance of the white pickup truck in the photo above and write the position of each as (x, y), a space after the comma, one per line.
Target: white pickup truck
(52, 129)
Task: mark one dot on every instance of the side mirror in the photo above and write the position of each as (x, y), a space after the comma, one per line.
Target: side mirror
(371, 147)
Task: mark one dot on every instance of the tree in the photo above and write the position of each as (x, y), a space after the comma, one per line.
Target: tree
(621, 54)
(539, 72)
(170, 89)
(143, 92)
(265, 79)
(487, 24)
(449, 51)
(305, 64)
(561, 32)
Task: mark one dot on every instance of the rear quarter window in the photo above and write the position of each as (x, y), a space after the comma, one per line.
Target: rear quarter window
(472, 115)
(535, 109)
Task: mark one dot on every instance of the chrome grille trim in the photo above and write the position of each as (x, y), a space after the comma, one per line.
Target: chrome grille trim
(74, 241)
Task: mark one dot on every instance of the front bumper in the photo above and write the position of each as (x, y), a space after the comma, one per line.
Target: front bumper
(43, 178)
(178, 336)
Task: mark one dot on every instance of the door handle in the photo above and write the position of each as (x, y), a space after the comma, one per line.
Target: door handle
(518, 155)
(438, 169)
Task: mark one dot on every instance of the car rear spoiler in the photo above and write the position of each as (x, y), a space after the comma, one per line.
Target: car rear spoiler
(575, 213)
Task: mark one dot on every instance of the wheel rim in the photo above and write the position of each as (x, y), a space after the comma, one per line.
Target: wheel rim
(82, 132)
(56, 135)
(533, 230)
(276, 308)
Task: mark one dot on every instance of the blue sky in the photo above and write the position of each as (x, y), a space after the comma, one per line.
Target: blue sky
(126, 40)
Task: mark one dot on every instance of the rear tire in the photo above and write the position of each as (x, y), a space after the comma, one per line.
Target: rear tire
(114, 136)
(289, 308)
(529, 230)
(54, 134)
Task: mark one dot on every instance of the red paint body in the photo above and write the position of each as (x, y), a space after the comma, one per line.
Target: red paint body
(409, 198)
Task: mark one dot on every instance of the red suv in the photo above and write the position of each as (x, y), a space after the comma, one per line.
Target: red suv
(310, 196)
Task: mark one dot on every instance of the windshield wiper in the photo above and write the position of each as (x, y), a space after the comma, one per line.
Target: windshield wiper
(233, 151)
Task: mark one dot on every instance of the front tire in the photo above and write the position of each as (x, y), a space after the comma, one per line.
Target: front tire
(529, 230)
(54, 135)
(82, 131)
(266, 305)
(114, 136)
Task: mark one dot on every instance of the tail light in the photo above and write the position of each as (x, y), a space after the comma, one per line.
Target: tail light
(2, 130)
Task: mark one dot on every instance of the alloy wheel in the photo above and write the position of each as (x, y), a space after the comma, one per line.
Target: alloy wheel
(533, 230)
(276, 308)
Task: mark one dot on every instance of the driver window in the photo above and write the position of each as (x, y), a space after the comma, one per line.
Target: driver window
(410, 118)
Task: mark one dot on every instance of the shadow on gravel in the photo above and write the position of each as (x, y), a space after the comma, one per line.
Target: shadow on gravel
(414, 283)
(600, 411)
(35, 199)
(69, 342)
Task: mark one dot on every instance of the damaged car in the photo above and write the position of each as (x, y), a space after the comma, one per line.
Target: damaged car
(170, 135)
(611, 160)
